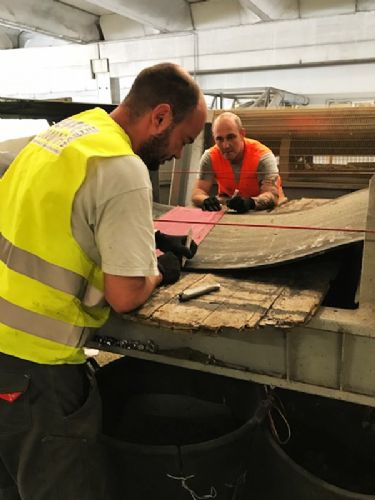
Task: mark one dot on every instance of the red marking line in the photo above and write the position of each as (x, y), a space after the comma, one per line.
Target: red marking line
(270, 226)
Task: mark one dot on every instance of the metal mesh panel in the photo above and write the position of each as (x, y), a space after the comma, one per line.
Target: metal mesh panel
(330, 145)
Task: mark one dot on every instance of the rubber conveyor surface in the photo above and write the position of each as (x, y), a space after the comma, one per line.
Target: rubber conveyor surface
(234, 247)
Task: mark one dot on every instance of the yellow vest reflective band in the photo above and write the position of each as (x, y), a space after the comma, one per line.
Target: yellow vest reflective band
(50, 291)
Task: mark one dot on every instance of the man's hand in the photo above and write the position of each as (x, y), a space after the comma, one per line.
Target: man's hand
(175, 244)
(170, 268)
(241, 205)
(211, 204)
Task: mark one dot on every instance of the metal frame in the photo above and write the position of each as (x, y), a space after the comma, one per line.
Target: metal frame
(52, 111)
(255, 97)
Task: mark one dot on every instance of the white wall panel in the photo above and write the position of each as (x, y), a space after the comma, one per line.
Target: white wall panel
(296, 56)
(48, 72)
(236, 57)
(365, 4)
(127, 58)
(301, 33)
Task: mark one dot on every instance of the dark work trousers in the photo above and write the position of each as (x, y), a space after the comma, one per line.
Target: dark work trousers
(48, 436)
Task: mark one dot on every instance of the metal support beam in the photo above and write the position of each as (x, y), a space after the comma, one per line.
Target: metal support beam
(163, 15)
(50, 18)
(332, 356)
(271, 11)
(100, 70)
(367, 288)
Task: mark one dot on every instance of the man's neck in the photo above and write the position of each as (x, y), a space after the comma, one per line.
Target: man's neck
(240, 156)
(134, 128)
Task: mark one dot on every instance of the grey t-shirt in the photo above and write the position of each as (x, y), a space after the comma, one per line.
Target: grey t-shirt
(267, 166)
(112, 213)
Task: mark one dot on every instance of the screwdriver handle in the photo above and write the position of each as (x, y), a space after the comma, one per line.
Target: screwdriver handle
(193, 293)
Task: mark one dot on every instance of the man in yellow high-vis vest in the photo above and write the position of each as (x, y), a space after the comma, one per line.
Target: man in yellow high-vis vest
(76, 236)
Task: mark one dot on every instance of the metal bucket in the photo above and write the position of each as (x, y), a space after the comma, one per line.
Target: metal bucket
(173, 433)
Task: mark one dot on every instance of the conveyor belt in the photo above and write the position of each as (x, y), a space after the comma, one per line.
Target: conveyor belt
(232, 247)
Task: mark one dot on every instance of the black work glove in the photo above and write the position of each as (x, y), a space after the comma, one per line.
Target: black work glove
(170, 267)
(175, 244)
(211, 204)
(241, 205)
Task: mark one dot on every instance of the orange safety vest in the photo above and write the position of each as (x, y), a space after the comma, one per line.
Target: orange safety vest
(248, 184)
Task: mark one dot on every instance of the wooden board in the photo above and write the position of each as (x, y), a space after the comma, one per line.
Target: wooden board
(282, 297)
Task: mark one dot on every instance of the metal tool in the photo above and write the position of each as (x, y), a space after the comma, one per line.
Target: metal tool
(193, 293)
(189, 238)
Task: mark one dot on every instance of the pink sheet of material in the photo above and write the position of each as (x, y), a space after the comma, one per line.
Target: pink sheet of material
(189, 216)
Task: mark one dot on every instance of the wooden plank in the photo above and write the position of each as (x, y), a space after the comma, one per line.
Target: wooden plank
(244, 304)
(189, 314)
(280, 297)
(296, 304)
(291, 308)
(163, 295)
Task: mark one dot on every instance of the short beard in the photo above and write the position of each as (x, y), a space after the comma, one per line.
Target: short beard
(154, 150)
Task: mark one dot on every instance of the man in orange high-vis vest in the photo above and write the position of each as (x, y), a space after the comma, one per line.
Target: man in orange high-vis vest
(77, 236)
(244, 169)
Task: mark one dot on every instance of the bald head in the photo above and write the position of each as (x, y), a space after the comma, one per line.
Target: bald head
(228, 118)
(228, 135)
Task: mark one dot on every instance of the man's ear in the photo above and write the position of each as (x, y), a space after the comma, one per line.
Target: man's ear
(161, 117)
(243, 132)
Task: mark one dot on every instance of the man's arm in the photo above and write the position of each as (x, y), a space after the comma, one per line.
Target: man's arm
(268, 178)
(113, 213)
(201, 191)
(269, 193)
(125, 293)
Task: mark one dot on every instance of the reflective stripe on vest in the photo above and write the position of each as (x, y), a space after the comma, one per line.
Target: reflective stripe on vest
(67, 281)
(17, 317)
(49, 288)
(248, 184)
(24, 262)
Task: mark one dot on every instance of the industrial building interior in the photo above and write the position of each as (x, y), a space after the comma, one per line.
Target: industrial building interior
(264, 388)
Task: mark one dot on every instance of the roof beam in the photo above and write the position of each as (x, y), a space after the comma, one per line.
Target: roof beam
(272, 11)
(164, 15)
(50, 18)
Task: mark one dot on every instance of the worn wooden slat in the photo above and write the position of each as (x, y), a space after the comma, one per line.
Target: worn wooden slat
(292, 308)
(297, 303)
(280, 297)
(189, 314)
(244, 304)
(166, 293)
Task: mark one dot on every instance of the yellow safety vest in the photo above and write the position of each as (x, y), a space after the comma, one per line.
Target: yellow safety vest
(49, 288)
